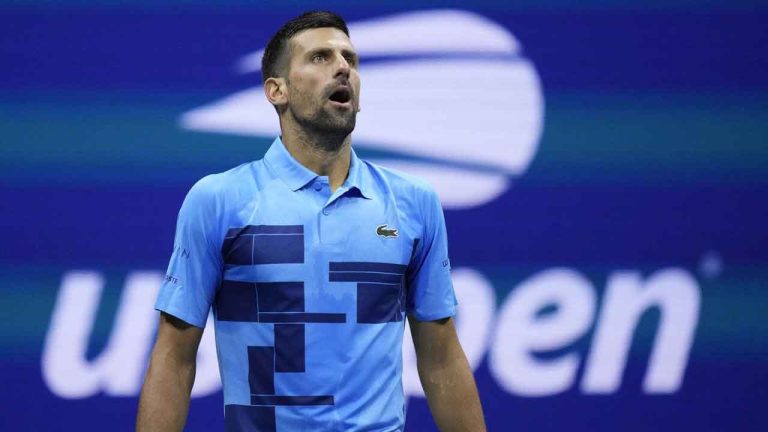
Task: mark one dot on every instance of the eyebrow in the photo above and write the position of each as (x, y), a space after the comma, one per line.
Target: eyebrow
(350, 53)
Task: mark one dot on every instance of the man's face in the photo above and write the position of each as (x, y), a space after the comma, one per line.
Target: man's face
(323, 82)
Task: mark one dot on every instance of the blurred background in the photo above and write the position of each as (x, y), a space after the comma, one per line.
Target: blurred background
(603, 167)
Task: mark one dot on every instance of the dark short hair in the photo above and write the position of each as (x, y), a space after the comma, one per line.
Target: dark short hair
(275, 50)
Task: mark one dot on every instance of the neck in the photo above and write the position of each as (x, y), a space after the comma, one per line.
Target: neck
(325, 155)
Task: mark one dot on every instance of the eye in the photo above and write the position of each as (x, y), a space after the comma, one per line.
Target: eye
(318, 58)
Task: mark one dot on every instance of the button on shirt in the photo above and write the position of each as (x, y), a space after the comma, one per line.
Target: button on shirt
(309, 288)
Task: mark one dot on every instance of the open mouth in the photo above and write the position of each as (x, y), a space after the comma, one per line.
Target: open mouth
(342, 95)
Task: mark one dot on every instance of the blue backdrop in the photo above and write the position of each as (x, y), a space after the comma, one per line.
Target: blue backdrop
(603, 168)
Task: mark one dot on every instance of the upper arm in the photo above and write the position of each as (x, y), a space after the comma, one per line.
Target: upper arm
(195, 267)
(436, 342)
(177, 339)
(430, 294)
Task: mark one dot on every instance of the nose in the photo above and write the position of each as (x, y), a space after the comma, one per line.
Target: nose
(342, 66)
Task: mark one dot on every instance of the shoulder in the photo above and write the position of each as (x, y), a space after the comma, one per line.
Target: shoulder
(215, 186)
(403, 185)
(211, 192)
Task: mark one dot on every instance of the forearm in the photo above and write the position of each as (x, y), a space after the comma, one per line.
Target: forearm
(452, 395)
(165, 396)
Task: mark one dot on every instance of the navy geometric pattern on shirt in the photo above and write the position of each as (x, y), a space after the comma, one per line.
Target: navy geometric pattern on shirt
(278, 303)
(380, 299)
(264, 244)
(380, 289)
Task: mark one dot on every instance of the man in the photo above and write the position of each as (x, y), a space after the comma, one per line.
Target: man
(311, 258)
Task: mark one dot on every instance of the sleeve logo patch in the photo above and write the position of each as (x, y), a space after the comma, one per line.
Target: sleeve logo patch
(383, 231)
(181, 251)
(172, 280)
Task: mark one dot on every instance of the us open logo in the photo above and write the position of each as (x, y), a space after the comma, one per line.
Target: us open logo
(447, 95)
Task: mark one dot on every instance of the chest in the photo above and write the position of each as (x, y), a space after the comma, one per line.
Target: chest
(315, 227)
(347, 254)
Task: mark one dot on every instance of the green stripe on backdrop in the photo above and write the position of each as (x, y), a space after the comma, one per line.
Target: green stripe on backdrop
(658, 138)
(588, 138)
(27, 296)
(731, 322)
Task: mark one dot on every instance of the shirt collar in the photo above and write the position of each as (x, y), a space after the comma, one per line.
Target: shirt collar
(296, 175)
(288, 169)
(357, 178)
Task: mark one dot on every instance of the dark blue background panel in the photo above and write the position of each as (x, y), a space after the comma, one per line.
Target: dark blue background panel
(574, 48)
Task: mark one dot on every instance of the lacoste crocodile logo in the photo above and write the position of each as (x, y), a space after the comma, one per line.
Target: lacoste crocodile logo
(383, 231)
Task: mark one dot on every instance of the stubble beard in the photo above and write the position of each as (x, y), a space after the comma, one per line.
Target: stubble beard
(329, 126)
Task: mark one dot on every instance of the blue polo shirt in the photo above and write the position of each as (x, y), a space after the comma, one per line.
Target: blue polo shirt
(309, 289)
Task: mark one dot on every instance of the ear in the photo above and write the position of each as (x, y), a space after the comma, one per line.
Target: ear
(276, 91)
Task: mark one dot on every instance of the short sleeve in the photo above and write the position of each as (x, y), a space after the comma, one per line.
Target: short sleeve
(194, 271)
(430, 294)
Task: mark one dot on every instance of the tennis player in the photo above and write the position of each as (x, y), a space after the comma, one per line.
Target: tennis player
(311, 260)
